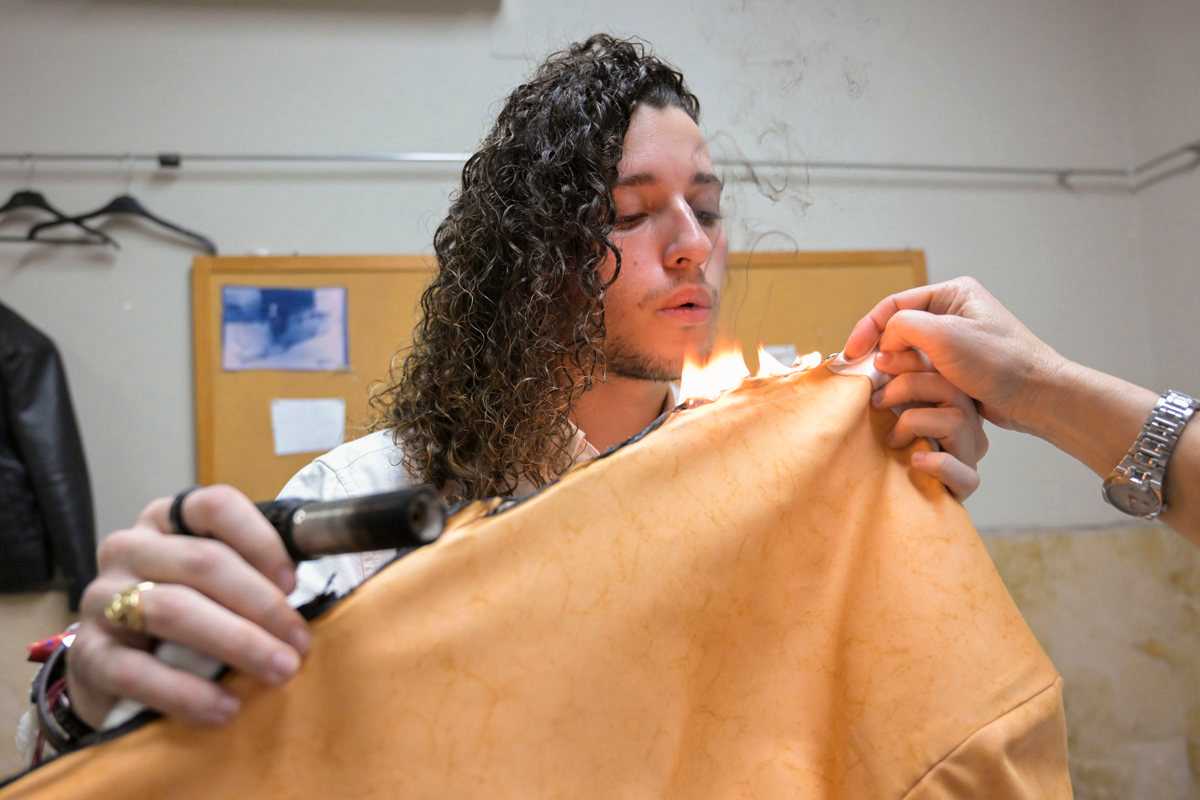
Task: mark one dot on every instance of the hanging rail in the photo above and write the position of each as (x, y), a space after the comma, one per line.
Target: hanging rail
(1135, 178)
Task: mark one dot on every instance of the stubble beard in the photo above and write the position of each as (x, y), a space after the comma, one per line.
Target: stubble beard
(624, 360)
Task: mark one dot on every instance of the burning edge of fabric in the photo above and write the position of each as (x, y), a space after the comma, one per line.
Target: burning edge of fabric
(703, 381)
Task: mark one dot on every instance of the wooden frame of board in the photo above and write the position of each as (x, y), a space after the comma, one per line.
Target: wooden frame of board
(807, 300)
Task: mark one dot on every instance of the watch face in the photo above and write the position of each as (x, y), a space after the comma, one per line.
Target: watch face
(1133, 499)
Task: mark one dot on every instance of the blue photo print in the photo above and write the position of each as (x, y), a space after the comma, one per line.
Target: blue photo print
(281, 328)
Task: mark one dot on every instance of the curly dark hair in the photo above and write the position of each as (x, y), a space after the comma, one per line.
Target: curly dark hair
(512, 326)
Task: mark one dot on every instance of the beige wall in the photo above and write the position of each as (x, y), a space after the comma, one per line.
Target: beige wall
(1166, 108)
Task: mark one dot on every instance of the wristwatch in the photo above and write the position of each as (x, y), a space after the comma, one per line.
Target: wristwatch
(1136, 484)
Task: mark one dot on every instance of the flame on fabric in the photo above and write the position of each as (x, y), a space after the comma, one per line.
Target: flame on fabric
(705, 380)
(725, 369)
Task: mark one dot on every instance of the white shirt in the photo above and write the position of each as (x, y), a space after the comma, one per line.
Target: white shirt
(366, 465)
(370, 464)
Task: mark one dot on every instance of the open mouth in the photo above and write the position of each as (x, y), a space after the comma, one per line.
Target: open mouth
(689, 305)
(688, 313)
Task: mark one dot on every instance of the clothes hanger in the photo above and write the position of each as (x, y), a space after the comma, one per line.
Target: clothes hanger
(30, 199)
(127, 205)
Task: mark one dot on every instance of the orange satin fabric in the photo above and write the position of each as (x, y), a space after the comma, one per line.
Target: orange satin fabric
(757, 600)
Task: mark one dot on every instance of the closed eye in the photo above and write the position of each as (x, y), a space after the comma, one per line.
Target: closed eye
(627, 222)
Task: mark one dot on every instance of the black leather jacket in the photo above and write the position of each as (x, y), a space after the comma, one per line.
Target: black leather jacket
(46, 519)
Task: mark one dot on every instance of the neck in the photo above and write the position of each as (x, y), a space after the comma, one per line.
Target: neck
(613, 411)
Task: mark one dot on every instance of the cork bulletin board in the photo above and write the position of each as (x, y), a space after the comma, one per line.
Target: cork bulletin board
(235, 440)
(806, 300)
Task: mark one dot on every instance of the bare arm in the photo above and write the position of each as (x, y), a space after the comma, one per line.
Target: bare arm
(1095, 417)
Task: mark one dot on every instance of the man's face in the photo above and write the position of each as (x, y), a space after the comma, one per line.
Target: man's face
(664, 303)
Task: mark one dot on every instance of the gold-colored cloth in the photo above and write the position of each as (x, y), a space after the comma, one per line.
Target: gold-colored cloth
(757, 600)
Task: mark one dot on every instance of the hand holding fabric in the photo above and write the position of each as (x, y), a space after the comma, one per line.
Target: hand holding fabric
(963, 333)
(960, 330)
(930, 406)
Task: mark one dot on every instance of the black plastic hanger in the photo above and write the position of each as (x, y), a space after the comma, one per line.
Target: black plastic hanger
(29, 199)
(126, 205)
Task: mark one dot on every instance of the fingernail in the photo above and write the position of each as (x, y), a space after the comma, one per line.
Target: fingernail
(282, 667)
(300, 639)
(221, 711)
(227, 706)
(877, 399)
(285, 578)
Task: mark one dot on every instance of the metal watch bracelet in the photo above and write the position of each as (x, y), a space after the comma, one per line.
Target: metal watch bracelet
(1137, 486)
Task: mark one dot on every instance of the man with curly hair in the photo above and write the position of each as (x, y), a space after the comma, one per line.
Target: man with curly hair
(543, 314)
(582, 258)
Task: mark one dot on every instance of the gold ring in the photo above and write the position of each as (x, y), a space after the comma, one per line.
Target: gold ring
(125, 609)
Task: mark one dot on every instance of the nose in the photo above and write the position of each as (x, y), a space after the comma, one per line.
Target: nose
(690, 246)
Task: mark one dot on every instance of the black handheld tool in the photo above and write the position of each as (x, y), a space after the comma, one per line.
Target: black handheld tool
(404, 518)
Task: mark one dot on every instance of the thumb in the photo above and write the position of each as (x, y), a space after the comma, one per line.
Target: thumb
(861, 339)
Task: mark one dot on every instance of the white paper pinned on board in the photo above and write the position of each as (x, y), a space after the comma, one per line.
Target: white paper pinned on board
(308, 426)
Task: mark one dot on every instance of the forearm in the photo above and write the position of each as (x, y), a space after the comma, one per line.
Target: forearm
(1096, 417)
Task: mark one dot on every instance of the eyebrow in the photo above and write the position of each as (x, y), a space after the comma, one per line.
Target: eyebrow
(648, 179)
